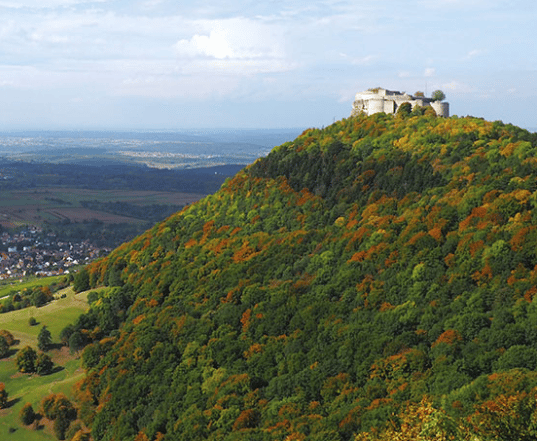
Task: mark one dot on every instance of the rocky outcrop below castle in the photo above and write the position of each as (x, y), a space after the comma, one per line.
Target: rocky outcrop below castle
(388, 101)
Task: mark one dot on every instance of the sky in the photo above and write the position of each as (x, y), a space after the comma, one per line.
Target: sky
(172, 65)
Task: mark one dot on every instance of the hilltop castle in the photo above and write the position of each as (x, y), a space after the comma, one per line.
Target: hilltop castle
(388, 101)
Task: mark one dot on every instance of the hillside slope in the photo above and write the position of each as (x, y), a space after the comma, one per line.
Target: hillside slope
(380, 263)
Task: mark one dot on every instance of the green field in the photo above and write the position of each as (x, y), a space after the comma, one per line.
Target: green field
(23, 388)
(8, 286)
(55, 315)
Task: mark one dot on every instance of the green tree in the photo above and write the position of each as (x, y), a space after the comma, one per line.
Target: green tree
(27, 414)
(76, 341)
(48, 406)
(61, 424)
(25, 360)
(39, 297)
(43, 364)
(4, 347)
(404, 109)
(8, 336)
(418, 111)
(3, 396)
(61, 410)
(81, 281)
(91, 356)
(517, 356)
(44, 339)
(438, 95)
(66, 333)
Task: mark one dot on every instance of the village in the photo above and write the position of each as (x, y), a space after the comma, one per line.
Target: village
(31, 251)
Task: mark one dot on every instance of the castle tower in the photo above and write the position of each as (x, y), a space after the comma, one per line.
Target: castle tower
(441, 108)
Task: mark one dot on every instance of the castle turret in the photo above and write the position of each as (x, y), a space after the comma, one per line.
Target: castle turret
(376, 105)
(441, 108)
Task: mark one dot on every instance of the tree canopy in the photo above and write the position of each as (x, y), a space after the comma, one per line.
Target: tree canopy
(350, 282)
(438, 95)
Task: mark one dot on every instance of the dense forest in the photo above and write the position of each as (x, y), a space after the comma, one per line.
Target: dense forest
(373, 280)
(24, 175)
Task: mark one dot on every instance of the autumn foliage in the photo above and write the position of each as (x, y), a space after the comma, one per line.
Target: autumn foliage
(373, 280)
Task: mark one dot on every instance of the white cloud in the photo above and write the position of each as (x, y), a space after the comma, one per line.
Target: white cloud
(236, 38)
(473, 53)
(151, 4)
(458, 87)
(214, 45)
(429, 72)
(368, 59)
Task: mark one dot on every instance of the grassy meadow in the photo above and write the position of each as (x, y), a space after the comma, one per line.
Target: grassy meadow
(10, 285)
(24, 388)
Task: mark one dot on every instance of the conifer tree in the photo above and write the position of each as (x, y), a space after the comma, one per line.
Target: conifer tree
(44, 339)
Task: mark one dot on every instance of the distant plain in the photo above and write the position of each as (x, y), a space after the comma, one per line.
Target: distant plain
(53, 204)
(59, 177)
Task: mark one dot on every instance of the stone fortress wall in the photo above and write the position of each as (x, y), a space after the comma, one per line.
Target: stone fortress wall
(388, 101)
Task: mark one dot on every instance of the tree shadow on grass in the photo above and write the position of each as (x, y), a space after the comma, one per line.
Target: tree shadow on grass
(37, 422)
(57, 346)
(56, 369)
(12, 402)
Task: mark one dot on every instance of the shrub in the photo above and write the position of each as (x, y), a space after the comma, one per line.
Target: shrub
(93, 296)
(47, 406)
(26, 359)
(43, 364)
(27, 414)
(3, 396)
(429, 111)
(418, 111)
(8, 336)
(404, 109)
(4, 347)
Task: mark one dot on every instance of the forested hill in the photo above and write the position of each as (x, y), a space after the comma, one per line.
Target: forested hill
(371, 280)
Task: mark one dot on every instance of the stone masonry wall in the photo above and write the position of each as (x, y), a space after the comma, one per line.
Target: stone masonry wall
(388, 101)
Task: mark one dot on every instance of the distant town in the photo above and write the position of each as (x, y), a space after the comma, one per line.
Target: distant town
(33, 252)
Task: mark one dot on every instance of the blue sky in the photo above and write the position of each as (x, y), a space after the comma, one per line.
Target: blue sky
(163, 64)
